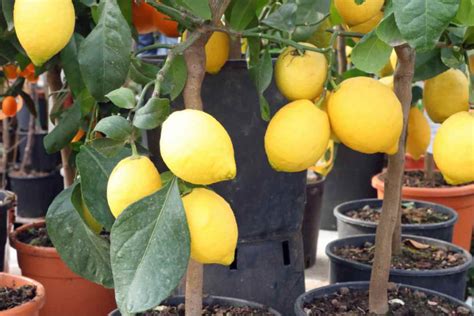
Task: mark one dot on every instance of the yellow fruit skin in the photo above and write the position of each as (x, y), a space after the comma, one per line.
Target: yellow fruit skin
(93, 224)
(388, 81)
(354, 14)
(132, 179)
(453, 148)
(197, 148)
(366, 116)
(297, 136)
(43, 27)
(300, 77)
(212, 227)
(389, 68)
(217, 52)
(446, 94)
(367, 26)
(418, 134)
(471, 63)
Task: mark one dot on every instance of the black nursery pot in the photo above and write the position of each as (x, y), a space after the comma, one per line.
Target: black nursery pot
(450, 281)
(212, 300)
(310, 296)
(35, 193)
(7, 201)
(348, 226)
(40, 159)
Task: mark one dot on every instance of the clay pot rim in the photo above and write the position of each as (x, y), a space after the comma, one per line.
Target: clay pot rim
(35, 304)
(37, 251)
(462, 190)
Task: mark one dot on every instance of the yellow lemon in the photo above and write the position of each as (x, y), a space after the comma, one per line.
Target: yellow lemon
(471, 63)
(297, 136)
(349, 54)
(212, 227)
(197, 148)
(388, 81)
(353, 13)
(217, 52)
(132, 179)
(446, 94)
(367, 26)
(43, 27)
(453, 148)
(324, 107)
(300, 76)
(366, 116)
(389, 68)
(418, 133)
(93, 224)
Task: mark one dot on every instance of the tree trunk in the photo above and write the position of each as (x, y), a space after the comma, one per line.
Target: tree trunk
(429, 167)
(393, 183)
(341, 54)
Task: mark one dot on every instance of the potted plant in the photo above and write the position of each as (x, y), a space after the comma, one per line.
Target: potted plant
(21, 296)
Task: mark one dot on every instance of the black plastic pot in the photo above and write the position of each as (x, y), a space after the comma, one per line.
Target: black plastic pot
(310, 296)
(450, 281)
(349, 180)
(348, 226)
(212, 300)
(40, 159)
(35, 194)
(23, 116)
(312, 217)
(7, 202)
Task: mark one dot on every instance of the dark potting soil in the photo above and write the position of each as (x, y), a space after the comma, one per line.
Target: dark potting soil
(12, 297)
(415, 256)
(215, 310)
(402, 302)
(410, 214)
(416, 179)
(35, 236)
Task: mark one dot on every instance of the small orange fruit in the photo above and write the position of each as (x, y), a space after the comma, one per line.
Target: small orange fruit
(144, 17)
(165, 25)
(10, 71)
(80, 133)
(9, 106)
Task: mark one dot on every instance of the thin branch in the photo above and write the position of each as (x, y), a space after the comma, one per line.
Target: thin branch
(154, 46)
(346, 34)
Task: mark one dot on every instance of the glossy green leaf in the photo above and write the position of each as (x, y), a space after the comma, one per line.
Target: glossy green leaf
(308, 14)
(150, 249)
(421, 22)
(371, 53)
(452, 58)
(122, 97)
(262, 74)
(428, 64)
(388, 31)
(64, 131)
(465, 13)
(7, 8)
(104, 56)
(70, 63)
(283, 19)
(95, 169)
(115, 127)
(198, 7)
(84, 252)
(241, 13)
(152, 114)
(175, 78)
(107, 147)
(85, 101)
(142, 72)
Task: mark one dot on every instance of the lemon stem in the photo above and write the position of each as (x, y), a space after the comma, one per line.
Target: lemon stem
(134, 149)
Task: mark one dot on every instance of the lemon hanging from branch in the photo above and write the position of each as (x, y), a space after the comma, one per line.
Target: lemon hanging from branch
(43, 27)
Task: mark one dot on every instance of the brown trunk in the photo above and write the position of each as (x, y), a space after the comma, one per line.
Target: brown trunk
(235, 48)
(341, 54)
(55, 84)
(429, 167)
(6, 150)
(26, 162)
(391, 205)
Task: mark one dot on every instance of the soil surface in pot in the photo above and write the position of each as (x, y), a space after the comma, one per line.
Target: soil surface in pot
(35, 236)
(12, 297)
(402, 302)
(410, 214)
(416, 179)
(214, 310)
(415, 256)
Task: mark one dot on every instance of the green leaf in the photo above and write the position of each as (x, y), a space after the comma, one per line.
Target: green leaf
(95, 170)
(142, 72)
(465, 13)
(371, 53)
(335, 17)
(152, 114)
(428, 64)
(107, 147)
(264, 108)
(70, 63)
(126, 8)
(122, 97)
(175, 78)
(198, 7)
(7, 8)
(64, 131)
(85, 253)
(85, 101)
(283, 19)
(309, 12)
(242, 12)
(388, 31)
(354, 72)
(115, 127)
(150, 249)
(261, 75)
(421, 22)
(104, 56)
(452, 58)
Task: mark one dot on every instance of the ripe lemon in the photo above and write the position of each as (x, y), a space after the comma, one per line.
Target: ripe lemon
(197, 148)
(300, 76)
(212, 227)
(446, 94)
(389, 68)
(132, 179)
(324, 107)
(366, 116)
(471, 63)
(353, 13)
(367, 26)
(388, 81)
(43, 27)
(297, 136)
(453, 148)
(418, 133)
(217, 52)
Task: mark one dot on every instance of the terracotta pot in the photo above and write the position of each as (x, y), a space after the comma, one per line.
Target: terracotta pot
(411, 163)
(460, 198)
(30, 308)
(68, 293)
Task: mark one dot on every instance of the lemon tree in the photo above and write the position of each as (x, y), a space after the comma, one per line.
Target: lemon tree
(163, 223)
